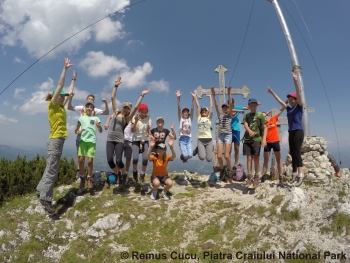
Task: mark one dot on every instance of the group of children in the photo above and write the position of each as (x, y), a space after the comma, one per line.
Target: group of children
(131, 133)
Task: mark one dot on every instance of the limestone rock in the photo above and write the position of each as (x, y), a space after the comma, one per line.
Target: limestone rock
(107, 222)
(297, 199)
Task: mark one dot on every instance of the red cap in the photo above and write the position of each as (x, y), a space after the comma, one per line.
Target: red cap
(292, 94)
(143, 107)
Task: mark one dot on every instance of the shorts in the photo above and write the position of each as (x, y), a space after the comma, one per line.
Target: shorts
(161, 179)
(275, 146)
(236, 135)
(87, 149)
(127, 149)
(251, 148)
(225, 138)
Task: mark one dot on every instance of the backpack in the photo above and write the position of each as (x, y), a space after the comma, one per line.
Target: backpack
(334, 163)
(111, 178)
(98, 181)
(239, 175)
(214, 177)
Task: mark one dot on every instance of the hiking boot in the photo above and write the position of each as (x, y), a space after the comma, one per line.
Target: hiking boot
(165, 196)
(300, 180)
(82, 184)
(89, 182)
(280, 178)
(229, 176)
(249, 182)
(256, 181)
(134, 175)
(264, 177)
(182, 158)
(142, 178)
(221, 174)
(153, 195)
(195, 151)
(118, 178)
(124, 179)
(48, 206)
(294, 177)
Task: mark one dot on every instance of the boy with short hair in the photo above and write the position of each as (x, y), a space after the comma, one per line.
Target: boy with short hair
(254, 137)
(87, 145)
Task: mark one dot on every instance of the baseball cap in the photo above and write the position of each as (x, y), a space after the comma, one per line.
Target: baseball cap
(160, 118)
(252, 100)
(184, 109)
(162, 146)
(62, 93)
(89, 102)
(204, 108)
(127, 104)
(143, 107)
(292, 94)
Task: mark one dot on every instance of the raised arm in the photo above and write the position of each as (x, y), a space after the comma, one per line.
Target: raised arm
(173, 131)
(134, 124)
(295, 80)
(133, 111)
(60, 85)
(152, 142)
(192, 109)
(178, 95)
(106, 111)
(215, 102)
(210, 106)
(71, 86)
(70, 106)
(284, 106)
(171, 143)
(107, 122)
(229, 101)
(114, 92)
(197, 104)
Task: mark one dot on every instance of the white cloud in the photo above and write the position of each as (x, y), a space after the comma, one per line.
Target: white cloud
(47, 85)
(97, 64)
(35, 104)
(135, 77)
(159, 85)
(6, 103)
(79, 95)
(18, 60)
(17, 94)
(39, 26)
(4, 119)
(132, 44)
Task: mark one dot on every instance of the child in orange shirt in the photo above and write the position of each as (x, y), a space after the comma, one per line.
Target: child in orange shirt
(272, 138)
(160, 164)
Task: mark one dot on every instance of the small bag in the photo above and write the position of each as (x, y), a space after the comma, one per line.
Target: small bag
(239, 175)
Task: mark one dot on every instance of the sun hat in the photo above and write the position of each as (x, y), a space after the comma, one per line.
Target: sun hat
(127, 104)
(61, 93)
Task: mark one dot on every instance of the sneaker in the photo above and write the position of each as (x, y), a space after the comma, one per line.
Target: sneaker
(256, 181)
(153, 195)
(89, 182)
(134, 175)
(142, 178)
(195, 151)
(300, 180)
(248, 182)
(165, 196)
(294, 177)
(48, 206)
(182, 158)
(82, 184)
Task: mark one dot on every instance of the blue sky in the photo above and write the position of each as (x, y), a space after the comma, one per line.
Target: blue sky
(169, 45)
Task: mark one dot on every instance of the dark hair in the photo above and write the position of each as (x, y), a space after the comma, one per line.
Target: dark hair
(90, 95)
(164, 155)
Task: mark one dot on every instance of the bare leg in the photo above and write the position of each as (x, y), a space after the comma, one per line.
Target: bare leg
(266, 162)
(221, 163)
(236, 147)
(279, 162)
(90, 165)
(256, 165)
(81, 160)
(168, 185)
(249, 164)
(228, 155)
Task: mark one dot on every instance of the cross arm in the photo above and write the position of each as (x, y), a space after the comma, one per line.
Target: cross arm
(244, 91)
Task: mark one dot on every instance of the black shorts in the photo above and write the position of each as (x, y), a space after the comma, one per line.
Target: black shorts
(161, 179)
(251, 148)
(127, 149)
(275, 146)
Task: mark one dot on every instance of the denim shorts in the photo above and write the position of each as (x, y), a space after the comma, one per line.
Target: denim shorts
(225, 138)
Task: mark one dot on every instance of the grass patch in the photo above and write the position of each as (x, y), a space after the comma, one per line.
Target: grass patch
(339, 221)
(289, 215)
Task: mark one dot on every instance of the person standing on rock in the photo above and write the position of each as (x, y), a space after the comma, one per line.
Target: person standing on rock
(205, 140)
(272, 138)
(58, 133)
(296, 132)
(160, 164)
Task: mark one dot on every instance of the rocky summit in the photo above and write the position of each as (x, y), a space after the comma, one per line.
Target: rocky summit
(202, 222)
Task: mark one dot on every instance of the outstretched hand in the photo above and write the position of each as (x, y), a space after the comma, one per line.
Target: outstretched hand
(178, 93)
(193, 95)
(104, 100)
(117, 81)
(295, 76)
(67, 63)
(144, 92)
(171, 140)
(208, 95)
(137, 117)
(74, 76)
(71, 95)
(152, 141)
(212, 89)
(269, 90)
(172, 126)
(229, 90)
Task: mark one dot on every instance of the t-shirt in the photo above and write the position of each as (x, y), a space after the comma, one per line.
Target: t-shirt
(127, 133)
(272, 131)
(185, 127)
(225, 123)
(160, 167)
(81, 110)
(160, 135)
(256, 122)
(115, 130)
(58, 121)
(88, 128)
(204, 125)
(294, 116)
(141, 128)
(235, 125)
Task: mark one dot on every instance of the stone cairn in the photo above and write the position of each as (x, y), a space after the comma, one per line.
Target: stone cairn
(316, 165)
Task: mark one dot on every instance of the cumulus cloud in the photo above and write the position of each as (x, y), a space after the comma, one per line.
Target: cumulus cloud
(79, 94)
(6, 103)
(132, 44)
(4, 119)
(18, 60)
(39, 26)
(136, 77)
(35, 104)
(17, 94)
(159, 85)
(47, 85)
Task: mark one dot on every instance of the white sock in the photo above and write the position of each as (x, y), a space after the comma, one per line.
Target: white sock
(300, 174)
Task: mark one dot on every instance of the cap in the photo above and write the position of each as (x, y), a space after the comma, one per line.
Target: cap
(224, 105)
(143, 107)
(204, 108)
(89, 102)
(62, 93)
(292, 94)
(184, 109)
(162, 146)
(160, 118)
(252, 100)
(127, 104)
